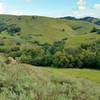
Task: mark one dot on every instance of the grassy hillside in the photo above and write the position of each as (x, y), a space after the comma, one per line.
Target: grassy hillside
(91, 20)
(48, 30)
(54, 42)
(25, 82)
(44, 41)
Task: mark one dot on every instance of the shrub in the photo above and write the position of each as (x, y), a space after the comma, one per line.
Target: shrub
(33, 17)
(89, 59)
(18, 43)
(98, 60)
(57, 46)
(95, 30)
(15, 49)
(60, 60)
(12, 29)
(19, 18)
(63, 30)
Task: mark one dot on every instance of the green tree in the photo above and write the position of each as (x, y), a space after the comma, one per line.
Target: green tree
(89, 59)
(60, 60)
(98, 60)
(12, 29)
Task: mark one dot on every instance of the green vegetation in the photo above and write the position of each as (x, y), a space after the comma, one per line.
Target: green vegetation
(42, 41)
(84, 56)
(23, 82)
(64, 54)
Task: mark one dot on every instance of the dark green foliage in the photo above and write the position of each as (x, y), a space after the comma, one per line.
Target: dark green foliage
(69, 18)
(63, 30)
(98, 60)
(4, 50)
(89, 59)
(57, 46)
(3, 26)
(12, 29)
(61, 60)
(85, 56)
(88, 19)
(18, 43)
(95, 30)
(19, 18)
(15, 49)
(97, 22)
(26, 59)
(33, 17)
(64, 39)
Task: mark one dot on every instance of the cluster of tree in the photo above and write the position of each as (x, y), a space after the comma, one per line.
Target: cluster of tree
(11, 29)
(95, 30)
(85, 56)
(97, 22)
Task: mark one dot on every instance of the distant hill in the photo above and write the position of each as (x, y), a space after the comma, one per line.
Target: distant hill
(30, 29)
(69, 18)
(91, 20)
(47, 30)
(87, 19)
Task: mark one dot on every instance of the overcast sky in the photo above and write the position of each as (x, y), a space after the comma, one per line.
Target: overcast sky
(52, 8)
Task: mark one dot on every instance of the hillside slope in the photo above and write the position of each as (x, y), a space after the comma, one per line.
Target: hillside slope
(50, 45)
(48, 30)
(44, 41)
(25, 82)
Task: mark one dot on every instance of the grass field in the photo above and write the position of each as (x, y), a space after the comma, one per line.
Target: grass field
(93, 75)
(25, 82)
(48, 30)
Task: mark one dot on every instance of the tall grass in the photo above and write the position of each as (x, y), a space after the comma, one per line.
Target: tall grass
(19, 82)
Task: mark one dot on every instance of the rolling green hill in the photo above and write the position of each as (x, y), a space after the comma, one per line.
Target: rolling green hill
(39, 40)
(56, 44)
(48, 30)
(91, 20)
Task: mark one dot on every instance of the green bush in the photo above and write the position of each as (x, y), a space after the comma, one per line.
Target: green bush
(12, 29)
(84, 56)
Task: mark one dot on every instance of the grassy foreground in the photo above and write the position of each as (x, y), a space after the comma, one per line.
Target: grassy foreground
(25, 82)
(93, 75)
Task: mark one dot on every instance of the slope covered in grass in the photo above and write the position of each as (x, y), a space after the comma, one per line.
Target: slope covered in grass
(25, 82)
(44, 41)
(47, 30)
